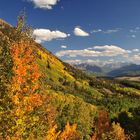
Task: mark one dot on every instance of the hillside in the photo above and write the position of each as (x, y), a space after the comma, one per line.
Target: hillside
(43, 92)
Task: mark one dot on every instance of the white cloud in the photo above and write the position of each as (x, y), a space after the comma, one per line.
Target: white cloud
(110, 62)
(101, 55)
(75, 53)
(87, 61)
(63, 47)
(96, 51)
(110, 50)
(44, 4)
(106, 31)
(133, 36)
(74, 61)
(111, 31)
(132, 31)
(96, 31)
(136, 57)
(135, 30)
(135, 50)
(79, 32)
(42, 35)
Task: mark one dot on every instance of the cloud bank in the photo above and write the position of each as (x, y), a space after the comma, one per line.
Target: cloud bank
(96, 51)
(101, 54)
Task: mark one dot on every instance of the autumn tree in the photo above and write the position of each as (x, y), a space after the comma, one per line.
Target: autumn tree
(22, 31)
(106, 130)
(25, 82)
(103, 124)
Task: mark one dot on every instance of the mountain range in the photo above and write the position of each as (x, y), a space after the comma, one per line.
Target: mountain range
(111, 70)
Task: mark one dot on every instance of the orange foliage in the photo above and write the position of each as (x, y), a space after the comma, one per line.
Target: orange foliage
(52, 134)
(119, 132)
(69, 133)
(94, 137)
(25, 83)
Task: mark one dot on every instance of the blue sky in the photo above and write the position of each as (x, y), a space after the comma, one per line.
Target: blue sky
(82, 30)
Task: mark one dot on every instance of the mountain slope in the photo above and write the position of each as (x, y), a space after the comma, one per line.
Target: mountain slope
(57, 88)
(69, 95)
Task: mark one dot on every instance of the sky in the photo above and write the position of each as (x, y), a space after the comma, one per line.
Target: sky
(77, 31)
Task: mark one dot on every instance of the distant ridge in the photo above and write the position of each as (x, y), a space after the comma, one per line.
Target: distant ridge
(88, 67)
(130, 70)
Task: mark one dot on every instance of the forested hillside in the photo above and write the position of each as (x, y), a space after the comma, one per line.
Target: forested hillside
(43, 98)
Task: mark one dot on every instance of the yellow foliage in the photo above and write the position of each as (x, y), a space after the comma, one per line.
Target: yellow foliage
(52, 134)
(15, 100)
(119, 132)
(69, 132)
